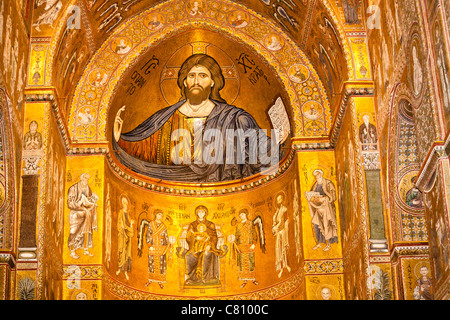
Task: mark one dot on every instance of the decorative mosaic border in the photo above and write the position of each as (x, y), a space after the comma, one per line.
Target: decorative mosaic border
(8, 258)
(8, 121)
(438, 152)
(334, 266)
(90, 272)
(379, 259)
(192, 189)
(41, 205)
(408, 250)
(362, 231)
(274, 292)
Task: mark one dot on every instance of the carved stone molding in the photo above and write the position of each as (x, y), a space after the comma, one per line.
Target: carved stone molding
(408, 250)
(378, 245)
(32, 159)
(27, 255)
(8, 258)
(188, 189)
(347, 94)
(277, 291)
(438, 152)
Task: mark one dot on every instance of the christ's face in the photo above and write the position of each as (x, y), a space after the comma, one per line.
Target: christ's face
(243, 216)
(159, 216)
(198, 83)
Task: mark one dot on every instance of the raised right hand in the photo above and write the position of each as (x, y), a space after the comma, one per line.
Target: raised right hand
(118, 122)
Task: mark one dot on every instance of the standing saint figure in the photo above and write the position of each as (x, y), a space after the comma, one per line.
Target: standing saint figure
(125, 234)
(33, 138)
(244, 244)
(158, 243)
(368, 134)
(108, 226)
(321, 200)
(201, 250)
(280, 228)
(190, 140)
(82, 203)
(423, 290)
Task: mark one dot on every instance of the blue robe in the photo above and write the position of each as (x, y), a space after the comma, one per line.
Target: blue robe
(223, 117)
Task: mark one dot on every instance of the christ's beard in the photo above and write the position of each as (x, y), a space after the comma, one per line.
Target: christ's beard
(196, 94)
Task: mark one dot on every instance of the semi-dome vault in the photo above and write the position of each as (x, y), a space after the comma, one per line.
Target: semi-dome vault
(336, 191)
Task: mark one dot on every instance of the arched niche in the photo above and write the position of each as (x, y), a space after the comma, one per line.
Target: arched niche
(258, 259)
(407, 205)
(263, 265)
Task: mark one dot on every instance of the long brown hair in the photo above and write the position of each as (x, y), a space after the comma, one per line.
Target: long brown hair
(211, 64)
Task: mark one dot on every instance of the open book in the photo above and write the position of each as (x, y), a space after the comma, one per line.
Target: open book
(311, 194)
(280, 121)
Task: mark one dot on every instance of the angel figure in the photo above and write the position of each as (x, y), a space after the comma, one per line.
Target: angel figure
(244, 244)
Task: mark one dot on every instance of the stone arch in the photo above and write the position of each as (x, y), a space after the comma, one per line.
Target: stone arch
(255, 44)
(330, 8)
